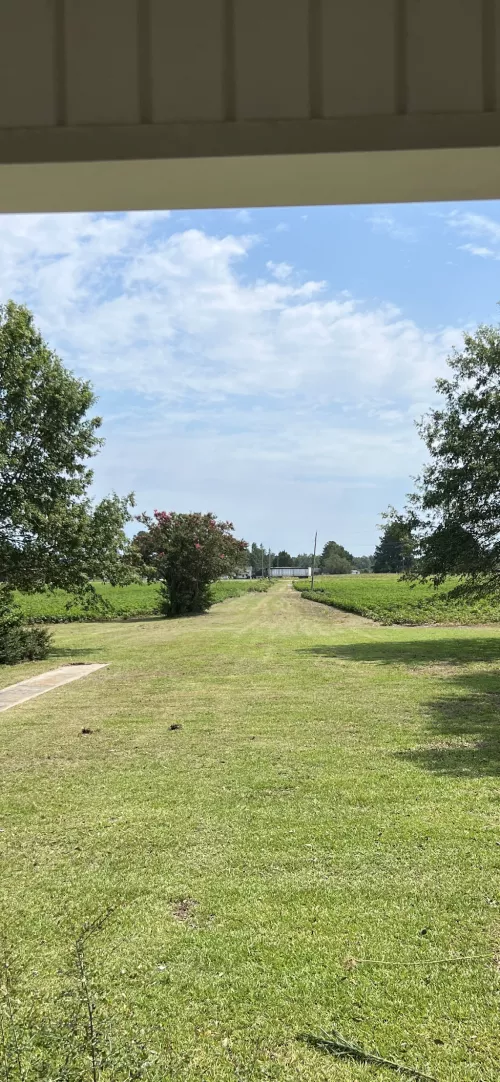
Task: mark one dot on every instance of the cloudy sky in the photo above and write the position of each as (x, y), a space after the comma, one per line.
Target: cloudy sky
(267, 365)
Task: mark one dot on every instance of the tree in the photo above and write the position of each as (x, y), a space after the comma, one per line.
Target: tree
(283, 559)
(257, 559)
(190, 551)
(362, 563)
(455, 511)
(394, 551)
(335, 559)
(304, 559)
(336, 565)
(51, 533)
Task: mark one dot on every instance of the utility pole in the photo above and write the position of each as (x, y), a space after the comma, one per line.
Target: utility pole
(269, 564)
(262, 560)
(314, 560)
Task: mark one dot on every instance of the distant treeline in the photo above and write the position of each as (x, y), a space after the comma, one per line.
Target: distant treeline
(333, 560)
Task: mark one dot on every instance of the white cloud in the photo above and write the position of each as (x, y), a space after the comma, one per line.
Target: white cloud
(475, 249)
(225, 382)
(140, 308)
(477, 227)
(281, 271)
(382, 222)
(243, 215)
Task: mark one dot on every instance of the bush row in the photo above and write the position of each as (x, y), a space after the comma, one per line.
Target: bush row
(388, 600)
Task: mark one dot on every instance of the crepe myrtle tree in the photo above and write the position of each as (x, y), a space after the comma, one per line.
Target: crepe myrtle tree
(187, 552)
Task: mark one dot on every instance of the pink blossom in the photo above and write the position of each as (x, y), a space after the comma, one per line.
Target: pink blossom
(197, 546)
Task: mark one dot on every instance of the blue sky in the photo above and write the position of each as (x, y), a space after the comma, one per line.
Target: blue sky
(263, 364)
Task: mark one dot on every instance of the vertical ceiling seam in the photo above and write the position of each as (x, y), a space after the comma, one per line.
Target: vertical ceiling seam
(315, 59)
(144, 64)
(60, 65)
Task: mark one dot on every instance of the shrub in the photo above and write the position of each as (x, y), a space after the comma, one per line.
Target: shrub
(188, 553)
(391, 600)
(19, 643)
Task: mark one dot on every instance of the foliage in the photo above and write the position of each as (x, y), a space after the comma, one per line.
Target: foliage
(222, 591)
(188, 552)
(18, 643)
(363, 563)
(119, 602)
(335, 559)
(257, 559)
(455, 510)
(394, 551)
(390, 600)
(51, 534)
(75, 1035)
(304, 559)
(283, 559)
(336, 565)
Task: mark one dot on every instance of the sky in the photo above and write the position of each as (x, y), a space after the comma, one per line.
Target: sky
(266, 365)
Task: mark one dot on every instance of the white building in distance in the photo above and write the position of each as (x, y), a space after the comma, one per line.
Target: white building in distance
(290, 573)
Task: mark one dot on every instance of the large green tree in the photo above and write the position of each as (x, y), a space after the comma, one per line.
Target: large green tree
(394, 552)
(335, 559)
(51, 532)
(283, 559)
(258, 560)
(455, 510)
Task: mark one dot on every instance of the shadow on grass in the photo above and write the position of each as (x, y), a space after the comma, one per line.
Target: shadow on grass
(60, 651)
(464, 721)
(414, 652)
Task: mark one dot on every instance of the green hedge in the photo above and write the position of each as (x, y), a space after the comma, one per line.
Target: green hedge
(389, 601)
(124, 602)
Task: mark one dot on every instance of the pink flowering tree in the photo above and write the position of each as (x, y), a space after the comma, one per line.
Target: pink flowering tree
(187, 552)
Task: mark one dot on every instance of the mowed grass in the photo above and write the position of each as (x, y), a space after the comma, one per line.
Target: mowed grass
(123, 602)
(316, 846)
(390, 601)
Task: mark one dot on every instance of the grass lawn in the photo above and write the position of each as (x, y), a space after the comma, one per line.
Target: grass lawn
(386, 599)
(316, 846)
(136, 599)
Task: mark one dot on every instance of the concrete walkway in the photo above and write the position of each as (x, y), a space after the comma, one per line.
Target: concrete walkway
(47, 681)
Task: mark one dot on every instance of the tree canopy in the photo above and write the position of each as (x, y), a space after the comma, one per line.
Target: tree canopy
(363, 563)
(394, 552)
(455, 510)
(283, 559)
(257, 559)
(335, 559)
(51, 532)
(188, 552)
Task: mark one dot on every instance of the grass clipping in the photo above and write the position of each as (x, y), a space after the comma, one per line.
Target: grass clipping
(337, 1045)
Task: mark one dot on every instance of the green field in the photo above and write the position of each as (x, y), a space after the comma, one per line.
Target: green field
(313, 845)
(388, 600)
(136, 599)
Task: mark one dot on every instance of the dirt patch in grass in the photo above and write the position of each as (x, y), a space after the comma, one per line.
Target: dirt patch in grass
(184, 909)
